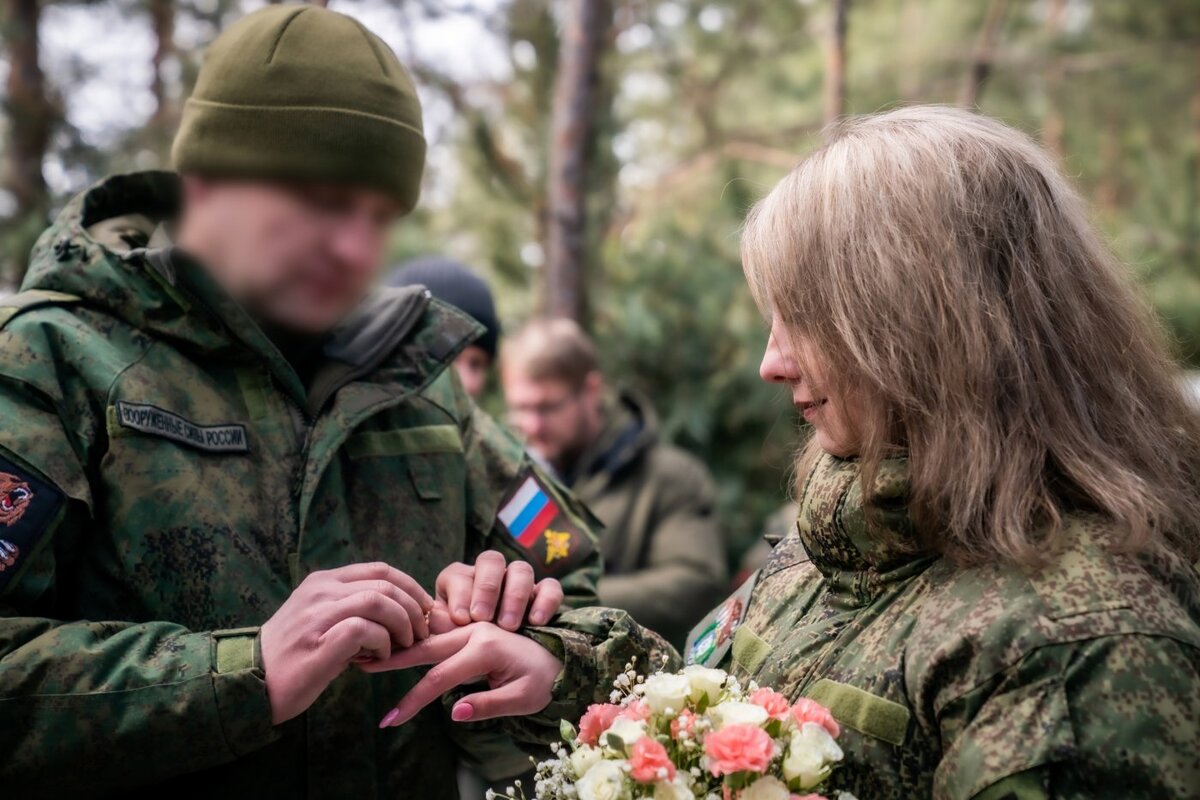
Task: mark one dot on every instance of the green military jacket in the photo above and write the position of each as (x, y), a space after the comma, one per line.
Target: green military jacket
(1079, 680)
(166, 481)
(664, 555)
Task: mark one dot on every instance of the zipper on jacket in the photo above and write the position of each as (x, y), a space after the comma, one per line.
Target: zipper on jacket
(303, 425)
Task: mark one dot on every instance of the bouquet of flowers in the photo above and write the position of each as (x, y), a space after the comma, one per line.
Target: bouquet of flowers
(692, 734)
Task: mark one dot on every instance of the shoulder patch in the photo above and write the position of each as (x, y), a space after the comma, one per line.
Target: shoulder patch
(532, 516)
(712, 638)
(28, 507)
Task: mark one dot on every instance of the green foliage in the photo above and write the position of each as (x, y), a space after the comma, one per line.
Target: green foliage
(711, 102)
(676, 321)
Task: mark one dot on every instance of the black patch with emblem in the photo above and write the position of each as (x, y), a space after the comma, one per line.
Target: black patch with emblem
(28, 507)
(152, 420)
(534, 519)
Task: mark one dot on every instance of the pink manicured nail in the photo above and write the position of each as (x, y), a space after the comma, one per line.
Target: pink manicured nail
(390, 718)
(462, 712)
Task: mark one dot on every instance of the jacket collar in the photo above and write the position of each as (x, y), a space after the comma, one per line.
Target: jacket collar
(844, 531)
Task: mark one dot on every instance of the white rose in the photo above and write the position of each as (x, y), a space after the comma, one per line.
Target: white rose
(810, 755)
(666, 691)
(625, 729)
(734, 712)
(672, 790)
(604, 781)
(584, 758)
(705, 681)
(766, 788)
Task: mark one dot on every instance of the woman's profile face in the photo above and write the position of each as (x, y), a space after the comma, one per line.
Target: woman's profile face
(791, 359)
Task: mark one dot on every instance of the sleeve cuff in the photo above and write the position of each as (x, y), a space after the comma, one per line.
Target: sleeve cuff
(240, 686)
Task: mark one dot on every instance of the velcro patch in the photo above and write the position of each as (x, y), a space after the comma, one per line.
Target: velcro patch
(550, 539)
(28, 506)
(155, 421)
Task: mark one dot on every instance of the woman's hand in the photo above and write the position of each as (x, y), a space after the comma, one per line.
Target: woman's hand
(519, 671)
(493, 591)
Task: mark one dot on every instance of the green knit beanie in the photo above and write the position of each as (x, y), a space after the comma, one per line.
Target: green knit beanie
(297, 92)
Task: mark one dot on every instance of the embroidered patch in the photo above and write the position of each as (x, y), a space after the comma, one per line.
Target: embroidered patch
(155, 421)
(709, 641)
(28, 507)
(549, 539)
(9, 553)
(15, 497)
(558, 545)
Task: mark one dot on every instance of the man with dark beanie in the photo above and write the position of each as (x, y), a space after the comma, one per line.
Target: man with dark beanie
(454, 283)
(231, 474)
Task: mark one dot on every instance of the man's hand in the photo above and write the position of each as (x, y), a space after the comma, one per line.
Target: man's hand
(519, 671)
(493, 591)
(332, 619)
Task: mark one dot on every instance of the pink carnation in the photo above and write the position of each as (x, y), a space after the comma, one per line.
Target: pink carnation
(684, 723)
(637, 711)
(806, 710)
(738, 748)
(596, 721)
(808, 797)
(775, 704)
(649, 762)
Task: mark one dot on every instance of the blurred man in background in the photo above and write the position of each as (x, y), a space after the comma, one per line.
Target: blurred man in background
(454, 283)
(664, 558)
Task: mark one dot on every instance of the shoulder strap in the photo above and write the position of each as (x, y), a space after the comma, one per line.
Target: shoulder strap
(21, 302)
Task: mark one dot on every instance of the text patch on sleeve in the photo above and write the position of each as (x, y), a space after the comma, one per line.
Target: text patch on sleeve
(28, 507)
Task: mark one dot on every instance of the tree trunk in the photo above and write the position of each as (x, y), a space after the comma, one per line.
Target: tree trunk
(1108, 188)
(984, 55)
(835, 63)
(1053, 125)
(573, 119)
(1192, 222)
(31, 118)
(162, 21)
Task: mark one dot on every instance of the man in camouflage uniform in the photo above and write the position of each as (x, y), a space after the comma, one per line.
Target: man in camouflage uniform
(211, 507)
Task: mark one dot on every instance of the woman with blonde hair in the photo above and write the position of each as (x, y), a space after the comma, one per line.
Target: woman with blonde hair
(991, 580)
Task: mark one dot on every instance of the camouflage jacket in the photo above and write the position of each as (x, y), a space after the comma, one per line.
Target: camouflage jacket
(664, 555)
(1079, 680)
(166, 481)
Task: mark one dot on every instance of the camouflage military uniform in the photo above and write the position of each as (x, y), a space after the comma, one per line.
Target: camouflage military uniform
(166, 481)
(1080, 680)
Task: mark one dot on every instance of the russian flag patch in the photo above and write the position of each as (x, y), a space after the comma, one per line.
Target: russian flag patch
(528, 512)
(549, 538)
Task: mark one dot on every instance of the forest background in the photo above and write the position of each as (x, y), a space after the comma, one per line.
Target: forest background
(595, 158)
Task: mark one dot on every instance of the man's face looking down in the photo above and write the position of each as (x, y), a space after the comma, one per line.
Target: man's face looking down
(297, 256)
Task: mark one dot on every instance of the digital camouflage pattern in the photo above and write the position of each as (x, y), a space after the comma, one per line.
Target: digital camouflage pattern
(202, 482)
(1079, 680)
